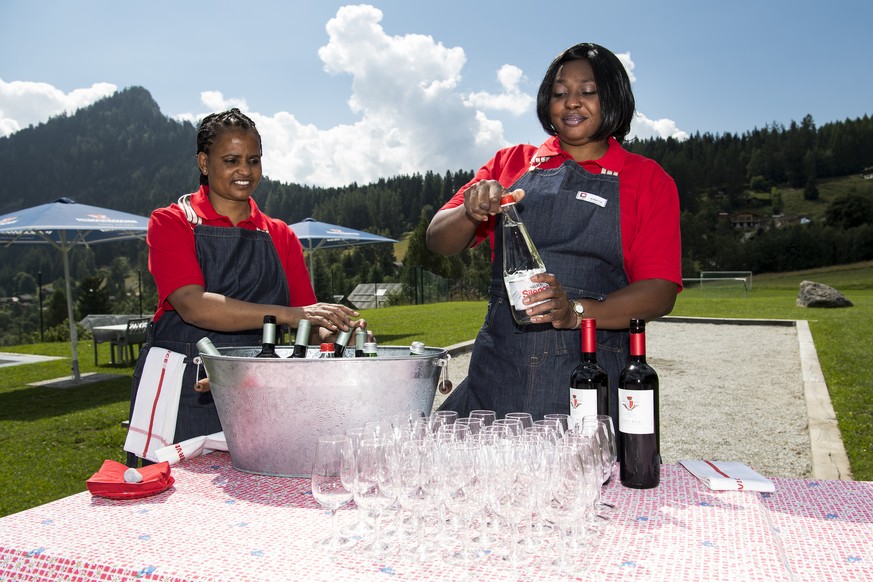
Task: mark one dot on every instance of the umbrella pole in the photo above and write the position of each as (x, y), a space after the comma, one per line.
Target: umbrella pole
(74, 339)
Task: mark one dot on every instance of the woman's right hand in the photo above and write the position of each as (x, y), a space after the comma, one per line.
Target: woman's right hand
(482, 199)
(331, 316)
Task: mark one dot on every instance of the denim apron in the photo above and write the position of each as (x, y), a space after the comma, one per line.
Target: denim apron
(238, 263)
(573, 218)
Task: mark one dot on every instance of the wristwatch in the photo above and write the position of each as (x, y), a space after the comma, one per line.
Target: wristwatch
(579, 310)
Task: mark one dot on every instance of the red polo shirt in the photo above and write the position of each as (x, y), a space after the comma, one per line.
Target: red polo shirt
(648, 203)
(173, 259)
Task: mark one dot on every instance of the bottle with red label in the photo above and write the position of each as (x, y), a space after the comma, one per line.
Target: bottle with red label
(639, 447)
(521, 261)
(589, 382)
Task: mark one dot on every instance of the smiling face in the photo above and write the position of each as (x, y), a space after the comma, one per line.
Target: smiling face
(233, 167)
(574, 110)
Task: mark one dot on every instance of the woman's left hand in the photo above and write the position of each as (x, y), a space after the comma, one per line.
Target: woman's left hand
(557, 308)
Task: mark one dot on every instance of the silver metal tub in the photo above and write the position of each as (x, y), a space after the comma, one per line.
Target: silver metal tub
(273, 410)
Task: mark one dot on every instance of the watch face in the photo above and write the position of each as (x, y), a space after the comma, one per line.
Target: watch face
(578, 308)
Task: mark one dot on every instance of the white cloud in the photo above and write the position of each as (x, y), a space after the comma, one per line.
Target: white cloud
(513, 99)
(629, 65)
(405, 92)
(23, 103)
(643, 128)
(412, 117)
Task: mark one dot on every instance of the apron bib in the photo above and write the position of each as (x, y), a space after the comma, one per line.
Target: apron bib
(573, 218)
(238, 263)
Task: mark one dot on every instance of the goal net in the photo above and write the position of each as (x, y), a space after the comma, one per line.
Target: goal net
(720, 281)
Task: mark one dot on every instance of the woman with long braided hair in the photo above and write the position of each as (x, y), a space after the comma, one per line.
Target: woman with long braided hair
(221, 265)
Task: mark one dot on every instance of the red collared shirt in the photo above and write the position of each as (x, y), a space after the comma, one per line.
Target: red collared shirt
(648, 203)
(173, 259)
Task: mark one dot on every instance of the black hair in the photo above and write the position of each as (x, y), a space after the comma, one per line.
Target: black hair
(216, 123)
(613, 87)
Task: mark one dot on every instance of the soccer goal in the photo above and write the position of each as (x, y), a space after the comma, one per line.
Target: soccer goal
(720, 281)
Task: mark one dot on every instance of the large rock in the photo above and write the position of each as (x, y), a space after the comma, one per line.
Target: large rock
(818, 295)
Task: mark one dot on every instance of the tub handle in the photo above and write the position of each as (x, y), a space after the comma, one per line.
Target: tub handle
(444, 385)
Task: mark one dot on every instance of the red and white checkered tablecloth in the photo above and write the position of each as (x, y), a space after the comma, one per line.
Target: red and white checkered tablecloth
(217, 523)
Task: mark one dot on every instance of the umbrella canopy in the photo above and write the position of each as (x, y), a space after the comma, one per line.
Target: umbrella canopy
(64, 224)
(316, 235)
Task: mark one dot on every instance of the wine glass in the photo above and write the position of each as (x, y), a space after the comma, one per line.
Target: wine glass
(514, 424)
(475, 424)
(487, 416)
(512, 495)
(525, 418)
(413, 495)
(333, 474)
(361, 527)
(568, 480)
(465, 492)
(563, 419)
(373, 492)
(601, 426)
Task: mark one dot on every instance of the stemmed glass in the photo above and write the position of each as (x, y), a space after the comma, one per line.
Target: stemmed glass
(333, 473)
(563, 420)
(361, 527)
(486, 416)
(466, 491)
(373, 492)
(513, 498)
(524, 417)
(570, 477)
(602, 426)
(413, 493)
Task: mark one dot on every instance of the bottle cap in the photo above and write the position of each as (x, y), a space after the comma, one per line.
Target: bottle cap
(507, 200)
(327, 347)
(269, 319)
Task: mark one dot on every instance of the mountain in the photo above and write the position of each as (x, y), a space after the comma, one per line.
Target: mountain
(121, 153)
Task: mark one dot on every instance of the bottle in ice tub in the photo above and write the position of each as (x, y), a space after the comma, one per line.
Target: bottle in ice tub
(268, 342)
(301, 338)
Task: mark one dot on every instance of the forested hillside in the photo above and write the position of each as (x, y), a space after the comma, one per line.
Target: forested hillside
(775, 198)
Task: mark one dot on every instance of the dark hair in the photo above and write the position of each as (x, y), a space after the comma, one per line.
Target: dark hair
(613, 87)
(216, 123)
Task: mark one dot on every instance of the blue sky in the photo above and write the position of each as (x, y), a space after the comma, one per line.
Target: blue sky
(348, 92)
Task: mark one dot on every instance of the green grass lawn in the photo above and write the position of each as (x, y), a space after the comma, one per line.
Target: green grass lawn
(52, 440)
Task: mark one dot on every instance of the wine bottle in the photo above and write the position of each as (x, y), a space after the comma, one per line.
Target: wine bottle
(342, 340)
(589, 382)
(639, 448)
(326, 351)
(268, 343)
(370, 350)
(301, 338)
(206, 346)
(360, 340)
(521, 261)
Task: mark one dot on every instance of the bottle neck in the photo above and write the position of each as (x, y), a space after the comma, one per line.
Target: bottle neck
(638, 346)
(589, 338)
(269, 337)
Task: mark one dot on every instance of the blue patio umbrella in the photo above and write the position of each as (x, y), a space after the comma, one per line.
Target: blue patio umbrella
(316, 235)
(64, 224)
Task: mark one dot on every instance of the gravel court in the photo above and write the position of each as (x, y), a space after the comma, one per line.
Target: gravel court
(727, 393)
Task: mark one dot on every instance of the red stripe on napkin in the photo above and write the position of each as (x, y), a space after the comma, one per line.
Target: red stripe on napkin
(155, 405)
(717, 470)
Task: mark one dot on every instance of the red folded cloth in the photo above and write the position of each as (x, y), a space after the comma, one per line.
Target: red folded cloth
(109, 481)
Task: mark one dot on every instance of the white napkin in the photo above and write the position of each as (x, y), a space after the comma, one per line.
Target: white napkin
(194, 447)
(728, 476)
(153, 423)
